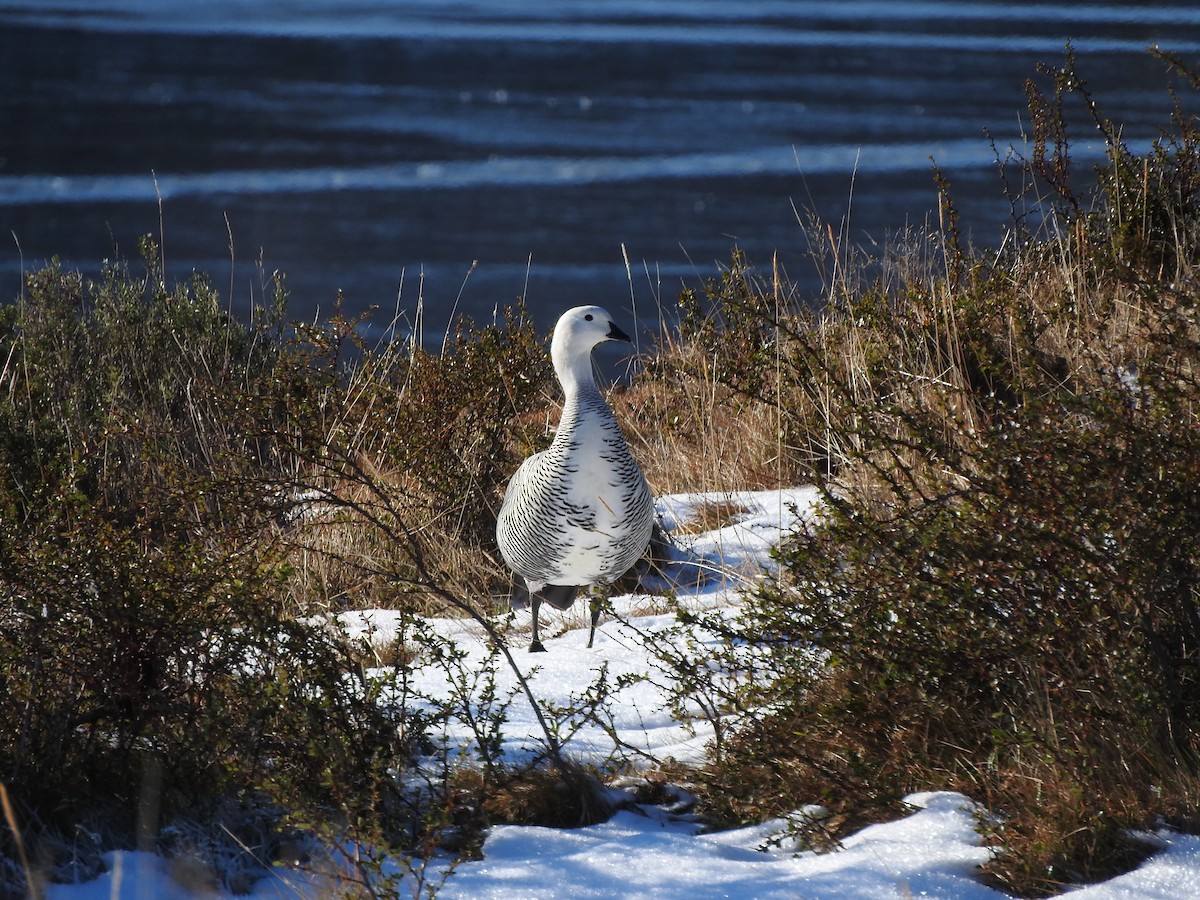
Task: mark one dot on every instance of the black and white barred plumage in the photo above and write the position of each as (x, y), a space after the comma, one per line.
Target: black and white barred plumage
(579, 513)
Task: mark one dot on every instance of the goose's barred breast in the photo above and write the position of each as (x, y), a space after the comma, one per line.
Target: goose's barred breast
(580, 512)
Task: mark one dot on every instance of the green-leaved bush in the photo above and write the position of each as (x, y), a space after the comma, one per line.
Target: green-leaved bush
(1003, 586)
(152, 665)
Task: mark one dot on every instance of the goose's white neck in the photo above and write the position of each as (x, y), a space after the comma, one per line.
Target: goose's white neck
(574, 370)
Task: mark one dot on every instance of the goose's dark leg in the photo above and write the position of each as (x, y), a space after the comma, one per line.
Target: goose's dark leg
(597, 603)
(595, 606)
(535, 646)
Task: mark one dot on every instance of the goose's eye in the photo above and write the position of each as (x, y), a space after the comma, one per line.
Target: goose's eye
(588, 317)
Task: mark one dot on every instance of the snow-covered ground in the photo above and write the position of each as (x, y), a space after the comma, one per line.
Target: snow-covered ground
(648, 852)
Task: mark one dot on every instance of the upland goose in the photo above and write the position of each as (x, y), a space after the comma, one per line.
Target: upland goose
(580, 512)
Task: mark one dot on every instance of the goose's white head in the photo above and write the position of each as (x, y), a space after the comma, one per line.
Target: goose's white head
(578, 331)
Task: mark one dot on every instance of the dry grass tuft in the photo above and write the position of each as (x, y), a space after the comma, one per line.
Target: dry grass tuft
(712, 515)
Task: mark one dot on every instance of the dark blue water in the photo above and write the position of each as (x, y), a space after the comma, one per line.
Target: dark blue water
(462, 154)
